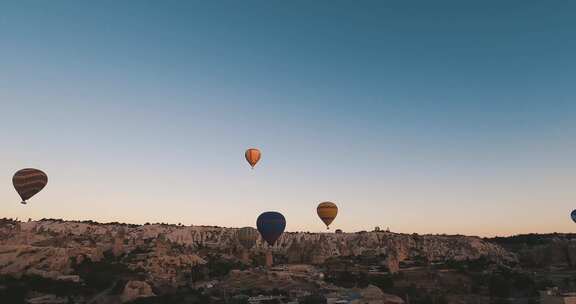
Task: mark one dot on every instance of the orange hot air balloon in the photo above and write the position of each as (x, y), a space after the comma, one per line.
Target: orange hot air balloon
(327, 212)
(252, 156)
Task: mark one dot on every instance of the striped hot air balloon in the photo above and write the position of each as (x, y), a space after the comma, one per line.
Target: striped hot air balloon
(28, 182)
(252, 156)
(247, 237)
(327, 212)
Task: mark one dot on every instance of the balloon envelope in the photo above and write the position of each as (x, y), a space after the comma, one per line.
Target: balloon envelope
(28, 182)
(573, 215)
(271, 226)
(247, 237)
(252, 156)
(327, 212)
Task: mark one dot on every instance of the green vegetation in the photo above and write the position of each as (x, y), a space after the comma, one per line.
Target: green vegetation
(348, 279)
(464, 266)
(15, 290)
(184, 296)
(313, 299)
(219, 266)
(104, 274)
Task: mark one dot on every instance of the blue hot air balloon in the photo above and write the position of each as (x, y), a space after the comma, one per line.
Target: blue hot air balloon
(573, 215)
(271, 225)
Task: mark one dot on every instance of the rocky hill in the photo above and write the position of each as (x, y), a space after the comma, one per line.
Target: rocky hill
(51, 247)
(56, 261)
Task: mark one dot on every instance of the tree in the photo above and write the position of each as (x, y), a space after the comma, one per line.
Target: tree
(314, 299)
(499, 286)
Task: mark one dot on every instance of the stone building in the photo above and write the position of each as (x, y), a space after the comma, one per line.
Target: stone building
(554, 296)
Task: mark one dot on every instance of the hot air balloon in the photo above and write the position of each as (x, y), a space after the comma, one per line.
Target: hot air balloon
(28, 182)
(252, 156)
(573, 215)
(271, 225)
(327, 212)
(247, 237)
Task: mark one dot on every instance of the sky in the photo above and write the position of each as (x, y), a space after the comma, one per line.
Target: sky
(454, 117)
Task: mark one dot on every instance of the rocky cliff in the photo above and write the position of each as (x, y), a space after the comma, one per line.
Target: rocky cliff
(51, 247)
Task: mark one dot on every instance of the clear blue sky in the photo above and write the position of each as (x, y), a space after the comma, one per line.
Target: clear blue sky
(425, 116)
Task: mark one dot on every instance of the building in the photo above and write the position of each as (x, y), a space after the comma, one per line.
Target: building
(554, 296)
(263, 299)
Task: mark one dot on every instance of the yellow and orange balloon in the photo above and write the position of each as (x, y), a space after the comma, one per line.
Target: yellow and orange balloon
(247, 237)
(252, 156)
(327, 211)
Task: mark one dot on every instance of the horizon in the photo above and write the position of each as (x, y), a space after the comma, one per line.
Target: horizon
(287, 231)
(436, 118)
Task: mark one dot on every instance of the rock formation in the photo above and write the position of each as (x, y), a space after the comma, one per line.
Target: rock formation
(169, 253)
(136, 289)
(373, 295)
